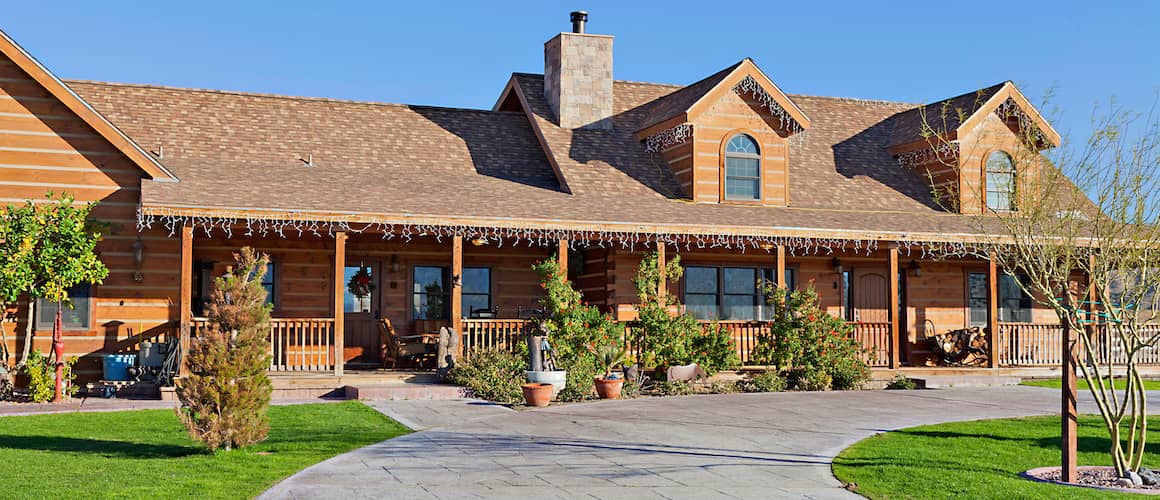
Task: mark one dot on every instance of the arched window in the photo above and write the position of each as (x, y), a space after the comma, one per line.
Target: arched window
(1000, 181)
(742, 169)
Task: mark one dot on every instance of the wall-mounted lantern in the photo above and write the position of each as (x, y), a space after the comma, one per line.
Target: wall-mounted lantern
(138, 259)
(837, 265)
(915, 269)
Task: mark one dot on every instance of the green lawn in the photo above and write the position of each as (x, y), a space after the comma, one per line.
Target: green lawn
(1081, 384)
(147, 453)
(980, 459)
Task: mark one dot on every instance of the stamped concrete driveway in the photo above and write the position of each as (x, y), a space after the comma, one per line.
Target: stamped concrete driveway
(719, 446)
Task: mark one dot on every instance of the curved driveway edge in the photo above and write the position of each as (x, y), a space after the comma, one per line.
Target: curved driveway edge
(717, 446)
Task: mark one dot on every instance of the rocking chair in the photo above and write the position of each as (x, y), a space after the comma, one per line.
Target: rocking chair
(414, 348)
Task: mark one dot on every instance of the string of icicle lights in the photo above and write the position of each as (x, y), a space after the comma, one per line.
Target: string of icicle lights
(289, 225)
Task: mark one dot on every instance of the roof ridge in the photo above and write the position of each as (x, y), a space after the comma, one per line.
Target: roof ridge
(856, 100)
(243, 93)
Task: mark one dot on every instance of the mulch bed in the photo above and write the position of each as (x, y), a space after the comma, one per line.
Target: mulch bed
(1103, 478)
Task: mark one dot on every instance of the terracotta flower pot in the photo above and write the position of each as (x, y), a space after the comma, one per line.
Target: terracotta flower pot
(537, 394)
(609, 388)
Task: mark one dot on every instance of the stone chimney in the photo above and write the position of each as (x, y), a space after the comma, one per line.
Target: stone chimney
(578, 77)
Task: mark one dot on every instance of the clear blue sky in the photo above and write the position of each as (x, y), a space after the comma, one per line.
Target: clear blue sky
(460, 54)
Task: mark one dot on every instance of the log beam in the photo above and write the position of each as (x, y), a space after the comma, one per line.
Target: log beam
(781, 283)
(662, 279)
(185, 299)
(339, 295)
(895, 337)
(457, 289)
(562, 257)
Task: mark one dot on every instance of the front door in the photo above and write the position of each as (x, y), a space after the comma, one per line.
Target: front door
(361, 310)
(871, 296)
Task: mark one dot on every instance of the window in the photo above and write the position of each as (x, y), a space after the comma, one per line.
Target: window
(75, 318)
(432, 296)
(742, 169)
(432, 291)
(769, 276)
(977, 298)
(1000, 181)
(268, 282)
(476, 290)
(1014, 303)
(728, 293)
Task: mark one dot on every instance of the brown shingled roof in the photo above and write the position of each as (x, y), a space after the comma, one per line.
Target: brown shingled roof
(942, 116)
(245, 151)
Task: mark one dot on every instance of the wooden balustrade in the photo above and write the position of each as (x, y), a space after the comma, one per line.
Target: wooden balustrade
(875, 338)
(296, 344)
(744, 334)
(492, 333)
(1030, 344)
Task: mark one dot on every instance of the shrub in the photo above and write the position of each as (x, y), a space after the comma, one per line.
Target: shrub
(491, 374)
(41, 373)
(664, 339)
(811, 378)
(768, 381)
(225, 397)
(812, 348)
(574, 330)
(723, 388)
(673, 388)
(901, 382)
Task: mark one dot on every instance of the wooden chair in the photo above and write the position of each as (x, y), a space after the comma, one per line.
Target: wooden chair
(415, 348)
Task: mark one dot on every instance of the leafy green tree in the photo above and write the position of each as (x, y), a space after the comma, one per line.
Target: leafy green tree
(225, 397)
(813, 349)
(662, 338)
(46, 249)
(574, 329)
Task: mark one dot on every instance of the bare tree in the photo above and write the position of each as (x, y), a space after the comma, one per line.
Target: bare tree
(1077, 229)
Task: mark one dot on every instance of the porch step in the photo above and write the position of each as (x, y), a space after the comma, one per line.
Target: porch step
(327, 385)
(412, 391)
(947, 381)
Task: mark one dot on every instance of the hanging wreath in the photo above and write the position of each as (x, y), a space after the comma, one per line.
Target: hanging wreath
(361, 285)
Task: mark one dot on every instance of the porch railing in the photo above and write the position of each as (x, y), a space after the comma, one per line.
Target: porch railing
(296, 344)
(1033, 344)
(506, 333)
(492, 333)
(875, 337)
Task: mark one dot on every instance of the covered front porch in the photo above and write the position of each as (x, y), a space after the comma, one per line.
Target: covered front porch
(485, 291)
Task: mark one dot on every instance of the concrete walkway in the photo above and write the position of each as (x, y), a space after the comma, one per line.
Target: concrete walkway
(721, 446)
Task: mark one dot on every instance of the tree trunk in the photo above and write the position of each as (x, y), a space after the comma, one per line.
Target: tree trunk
(58, 350)
(30, 317)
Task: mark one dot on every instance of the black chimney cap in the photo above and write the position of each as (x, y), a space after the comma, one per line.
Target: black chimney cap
(579, 17)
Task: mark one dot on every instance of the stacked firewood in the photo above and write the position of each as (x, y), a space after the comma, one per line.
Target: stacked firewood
(963, 347)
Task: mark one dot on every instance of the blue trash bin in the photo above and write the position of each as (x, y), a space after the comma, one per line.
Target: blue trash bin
(117, 366)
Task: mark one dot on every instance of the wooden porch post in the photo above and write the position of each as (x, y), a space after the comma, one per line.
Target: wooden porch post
(895, 337)
(185, 299)
(993, 312)
(662, 263)
(781, 268)
(339, 293)
(457, 289)
(562, 257)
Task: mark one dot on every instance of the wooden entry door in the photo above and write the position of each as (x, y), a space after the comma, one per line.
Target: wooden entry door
(871, 296)
(361, 315)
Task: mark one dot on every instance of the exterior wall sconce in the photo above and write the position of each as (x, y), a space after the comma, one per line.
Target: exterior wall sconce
(456, 281)
(837, 265)
(394, 263)
(915, 269)
(478, 241)
(767, 246)
(138, 258)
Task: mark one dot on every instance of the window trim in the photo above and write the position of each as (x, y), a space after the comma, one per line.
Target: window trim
(446, 273)
(92, 318)
(759, 274)
(1024, 298)
(1012, 193)
(465, 313)
(723, 179)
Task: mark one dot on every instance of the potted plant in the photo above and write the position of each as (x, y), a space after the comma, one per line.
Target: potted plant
(537, 393)
(608, 356)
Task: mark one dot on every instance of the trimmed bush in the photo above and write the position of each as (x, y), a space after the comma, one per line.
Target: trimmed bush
(491, 374)
(901, 382)
(225, 397)
(42, 377)
(811, 348)
(769, 381)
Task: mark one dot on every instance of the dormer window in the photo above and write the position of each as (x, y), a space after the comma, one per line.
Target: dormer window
(742, 169)
(1000, 182)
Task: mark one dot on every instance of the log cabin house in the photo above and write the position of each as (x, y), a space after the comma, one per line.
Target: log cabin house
(447, 209)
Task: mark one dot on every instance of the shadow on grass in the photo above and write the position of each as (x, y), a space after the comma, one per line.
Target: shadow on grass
(118, 449)
(1083, 443)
